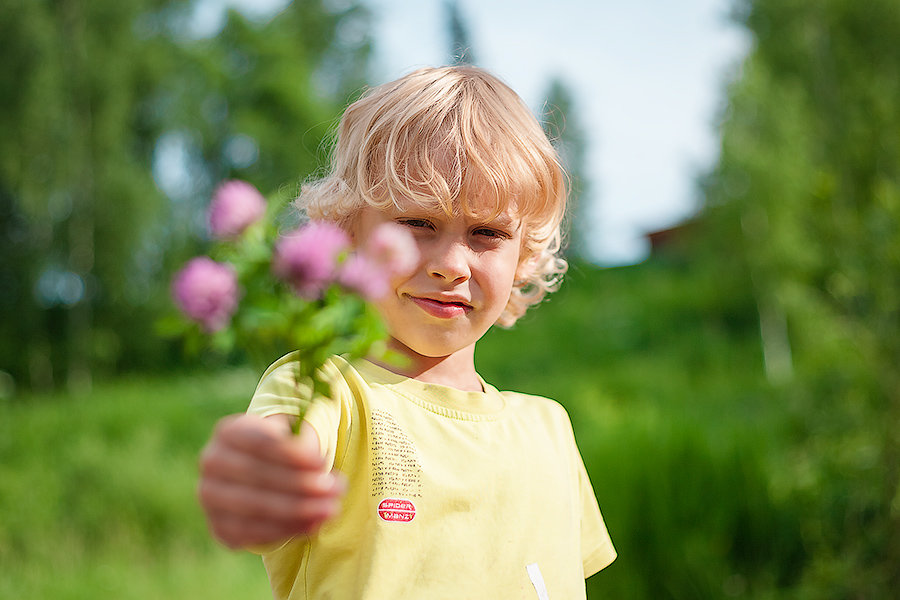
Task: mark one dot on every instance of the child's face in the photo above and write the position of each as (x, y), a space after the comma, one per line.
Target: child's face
(461, 284)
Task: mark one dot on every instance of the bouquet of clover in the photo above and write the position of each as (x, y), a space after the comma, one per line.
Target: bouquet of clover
(267, 292)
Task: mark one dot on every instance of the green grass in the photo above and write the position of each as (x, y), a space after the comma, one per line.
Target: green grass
(663, 381)
(98, 498)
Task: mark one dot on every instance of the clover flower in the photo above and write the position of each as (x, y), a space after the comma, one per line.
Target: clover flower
(307, 258)
(235, 206)
(393, 247)
(206, 291)
(244, 298)
(365, 276)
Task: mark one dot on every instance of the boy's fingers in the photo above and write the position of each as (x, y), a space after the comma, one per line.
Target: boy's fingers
(245, 469)
(270, 440)
(238, 532)
(226, 500)
(261, 484)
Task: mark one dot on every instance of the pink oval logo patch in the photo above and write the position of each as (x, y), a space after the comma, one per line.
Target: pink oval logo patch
(397, 509)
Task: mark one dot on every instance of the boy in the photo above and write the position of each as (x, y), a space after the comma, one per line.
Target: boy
(423, 481)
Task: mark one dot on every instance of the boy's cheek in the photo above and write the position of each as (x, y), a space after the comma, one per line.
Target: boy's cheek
(387, 306)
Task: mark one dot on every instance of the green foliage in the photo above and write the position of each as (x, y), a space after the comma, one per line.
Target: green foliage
(76, 188)
(259, 100)
(99, 493)
(690, 520)
(809, 180)
(97, 97)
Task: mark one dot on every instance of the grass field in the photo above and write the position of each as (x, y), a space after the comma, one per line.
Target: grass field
(665, 390)
(97, 493)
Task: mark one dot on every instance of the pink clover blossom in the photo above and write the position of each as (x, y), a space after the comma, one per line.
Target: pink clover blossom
(368, 278)
(206, 291)
(307, 258)
(393, 247)
(235, 206)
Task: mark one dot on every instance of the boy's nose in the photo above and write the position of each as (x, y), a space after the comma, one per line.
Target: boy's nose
(449, 262)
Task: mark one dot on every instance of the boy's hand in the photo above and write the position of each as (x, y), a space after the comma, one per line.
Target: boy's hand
(260, 484)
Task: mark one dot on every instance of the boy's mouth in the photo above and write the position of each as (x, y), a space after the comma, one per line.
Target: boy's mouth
(443, 309)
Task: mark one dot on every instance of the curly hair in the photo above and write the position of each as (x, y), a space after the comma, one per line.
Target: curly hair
(458, 139)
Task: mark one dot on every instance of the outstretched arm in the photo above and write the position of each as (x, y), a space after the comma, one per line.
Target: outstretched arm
(261, 484)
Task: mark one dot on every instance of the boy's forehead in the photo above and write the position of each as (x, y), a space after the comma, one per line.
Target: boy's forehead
(484, 211)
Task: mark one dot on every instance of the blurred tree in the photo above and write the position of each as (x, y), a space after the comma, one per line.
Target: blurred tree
(563, 128)
(76, 189)
(259, 99)
(460, 44)
(107, 108)
(810, 170)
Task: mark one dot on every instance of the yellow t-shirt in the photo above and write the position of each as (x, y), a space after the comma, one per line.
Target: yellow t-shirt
(452, 494)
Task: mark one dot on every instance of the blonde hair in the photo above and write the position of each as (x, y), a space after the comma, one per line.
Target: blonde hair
(459, 139)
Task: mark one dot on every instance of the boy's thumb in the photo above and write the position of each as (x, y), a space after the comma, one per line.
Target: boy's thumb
(307, 444)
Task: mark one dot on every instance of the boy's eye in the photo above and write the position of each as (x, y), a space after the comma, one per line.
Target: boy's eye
(491, 233)
(416, 223)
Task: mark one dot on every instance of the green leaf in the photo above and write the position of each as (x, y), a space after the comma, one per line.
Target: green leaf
(171, 326)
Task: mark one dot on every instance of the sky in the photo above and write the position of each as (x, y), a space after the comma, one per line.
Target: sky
(648, 79)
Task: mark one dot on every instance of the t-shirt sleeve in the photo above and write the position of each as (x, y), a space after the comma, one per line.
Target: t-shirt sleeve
(597, 551)
(279, 392)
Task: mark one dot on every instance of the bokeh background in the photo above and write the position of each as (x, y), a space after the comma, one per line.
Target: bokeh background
(731, 370)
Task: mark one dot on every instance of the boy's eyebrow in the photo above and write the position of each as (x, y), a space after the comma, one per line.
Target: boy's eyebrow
(417, 212)
(504, 220)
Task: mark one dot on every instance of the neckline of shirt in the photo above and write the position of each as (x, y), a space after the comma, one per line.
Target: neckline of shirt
(440, 399)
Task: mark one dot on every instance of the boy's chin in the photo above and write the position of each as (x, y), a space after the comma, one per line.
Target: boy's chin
(428, 351)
